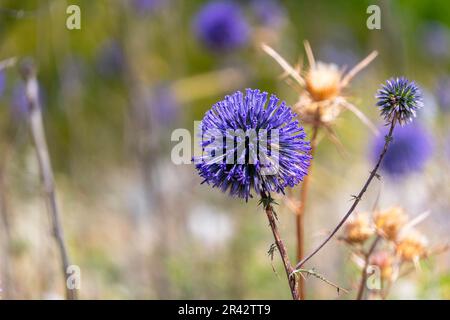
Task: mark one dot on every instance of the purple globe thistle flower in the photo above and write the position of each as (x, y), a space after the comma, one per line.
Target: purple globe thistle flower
(269, 154)
(399, 99)
(221, 26)
(443, 93)
(409, 151)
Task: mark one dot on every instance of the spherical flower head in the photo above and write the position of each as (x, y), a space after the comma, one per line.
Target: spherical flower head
(358, 229)
(389, 222)
(412, 246)
(252, 143)
(409, 152)
(221, 26)
(399, 99)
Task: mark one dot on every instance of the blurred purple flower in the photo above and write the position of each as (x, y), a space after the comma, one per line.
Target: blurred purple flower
(148, 6)
(443, 93)
(269, 13)
(164, 105)
(409, 152)
(435, 40)
(221, 26)
(110, 59)
(19, 103)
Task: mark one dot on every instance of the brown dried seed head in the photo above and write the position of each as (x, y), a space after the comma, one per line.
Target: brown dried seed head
(358, 229)
(412, 246)
(323, 81)
(389, 222)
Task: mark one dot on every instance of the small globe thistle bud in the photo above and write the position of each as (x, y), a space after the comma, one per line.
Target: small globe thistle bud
(358, 229)
(389, 222)
(384, 261)
(399, 99)
(412, 246)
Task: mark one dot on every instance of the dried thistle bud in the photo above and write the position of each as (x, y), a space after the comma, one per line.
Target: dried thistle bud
(323, 81)
(384, 261)
(399, 99)
(412, 246)
(358, 229)
(321, 97)
(389, 222)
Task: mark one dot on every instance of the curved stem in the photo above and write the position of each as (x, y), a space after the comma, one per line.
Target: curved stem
(362, 283)
(266, 200)
(300, 214)
(357, 198)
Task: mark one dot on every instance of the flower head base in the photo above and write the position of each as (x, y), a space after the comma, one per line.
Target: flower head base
(389, 222)
(247, 145)
(399, 99)
(358, 229)
(221, 26)
(412, 246)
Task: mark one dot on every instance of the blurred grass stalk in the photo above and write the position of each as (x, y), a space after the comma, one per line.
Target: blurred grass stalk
(28, 72)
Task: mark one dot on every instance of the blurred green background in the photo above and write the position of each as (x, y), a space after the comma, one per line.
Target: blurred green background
(141, 227)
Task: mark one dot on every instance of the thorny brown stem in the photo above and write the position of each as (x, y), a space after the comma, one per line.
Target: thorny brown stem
(313, 273)
(357, 198)
(300, 214)
(280, 245)
(37, 131)
(367, 255)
